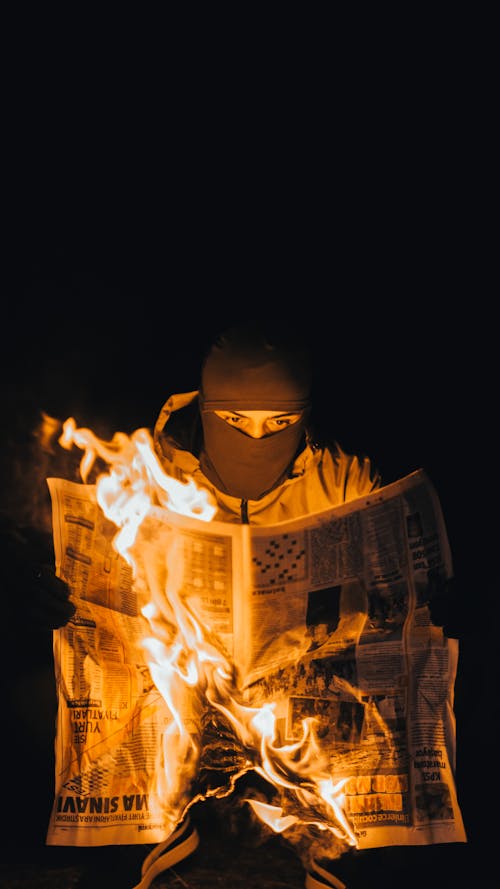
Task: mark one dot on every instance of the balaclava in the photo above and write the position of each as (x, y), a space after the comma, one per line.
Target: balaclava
(246, 371)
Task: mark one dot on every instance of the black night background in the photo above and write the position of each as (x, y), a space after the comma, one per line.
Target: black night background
(122, 263)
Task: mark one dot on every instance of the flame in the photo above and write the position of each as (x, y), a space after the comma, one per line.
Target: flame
(134, 482)
(184, 657)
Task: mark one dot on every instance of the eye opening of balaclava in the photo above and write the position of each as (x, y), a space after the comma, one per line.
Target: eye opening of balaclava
(247, 370)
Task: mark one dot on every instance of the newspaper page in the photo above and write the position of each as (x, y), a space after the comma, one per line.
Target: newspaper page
(112, 719)
(326, 617)
(348, 589)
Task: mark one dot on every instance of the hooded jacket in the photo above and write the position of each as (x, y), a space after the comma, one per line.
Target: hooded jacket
(321, 477)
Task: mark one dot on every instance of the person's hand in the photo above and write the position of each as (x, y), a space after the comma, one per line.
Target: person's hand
(443, 603)
(32, 595)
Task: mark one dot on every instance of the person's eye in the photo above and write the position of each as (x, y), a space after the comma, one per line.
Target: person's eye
(286, 421)
(232, 419)
(277, 423)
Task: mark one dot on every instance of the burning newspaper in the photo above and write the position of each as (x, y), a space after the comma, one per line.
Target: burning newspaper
(310, 640)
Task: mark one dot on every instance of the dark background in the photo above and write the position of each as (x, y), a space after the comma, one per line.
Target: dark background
(137, 227)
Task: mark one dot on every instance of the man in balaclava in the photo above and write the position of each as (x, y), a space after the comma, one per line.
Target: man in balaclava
(254, 404)
(244, 435)
(259, 465)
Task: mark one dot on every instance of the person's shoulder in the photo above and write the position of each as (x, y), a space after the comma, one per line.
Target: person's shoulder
(177, 414)
(177, 434)
(356, 469)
